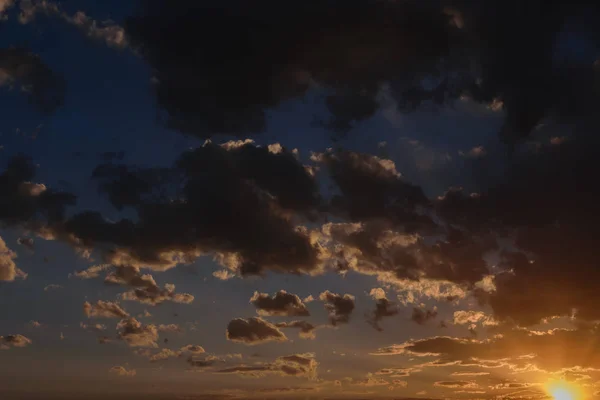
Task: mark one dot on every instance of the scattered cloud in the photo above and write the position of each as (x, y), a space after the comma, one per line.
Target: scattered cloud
(281, 304)
(421, 316)
(383, 308)
(339, 307)
(253, 331)
(8, 269)
(136, 334)
(307, 330)
(104, 309)
(6, 342)
(122, 371)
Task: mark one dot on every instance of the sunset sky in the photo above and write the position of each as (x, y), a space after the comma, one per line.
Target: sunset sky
(317, 199)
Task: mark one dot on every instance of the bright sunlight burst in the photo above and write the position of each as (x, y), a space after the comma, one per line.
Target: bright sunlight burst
(563, 390)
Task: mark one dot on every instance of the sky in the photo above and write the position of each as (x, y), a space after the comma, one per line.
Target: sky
(329, 199)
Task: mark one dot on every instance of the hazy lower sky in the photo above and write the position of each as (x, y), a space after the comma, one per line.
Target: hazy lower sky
(303, 199)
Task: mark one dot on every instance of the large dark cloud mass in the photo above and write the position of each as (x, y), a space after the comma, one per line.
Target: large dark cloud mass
(220, 68)
(244, 220)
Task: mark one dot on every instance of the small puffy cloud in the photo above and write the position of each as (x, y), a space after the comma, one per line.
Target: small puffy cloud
(169, 328)
(146, 290)
(122, 371)
(164, 354)
(104, 309)
(339, 307)
(472, 318)
(6, 342)
(253, 331)
(223, 274)
(155, 295)
(307, 330)
(192, 349)
(383, 308)
(92, 272)
(8, 269)
(280, 304)
(35, 324)
(137, 334)
(421, 316)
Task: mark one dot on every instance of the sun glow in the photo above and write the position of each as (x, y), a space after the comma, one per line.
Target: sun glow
(563, 390)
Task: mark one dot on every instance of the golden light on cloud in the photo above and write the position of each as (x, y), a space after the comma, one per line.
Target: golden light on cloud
(563, 390)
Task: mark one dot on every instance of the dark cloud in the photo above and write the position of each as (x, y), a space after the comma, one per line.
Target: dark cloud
(24, 202)
(253, 331)
(104, 309)
(383, 308)
(339, 307)
(154, 295)
(136, 334)
(281, 304)
(300, 365)
(6, 342)
(284, 51)
(146, 290)
(45, 89)
(421, 316)
(204, 59)
(205, 363)
(545, 204)
(519, 350)
(26, 242)
(193, 349)
(371, 188)
(307, 330)
(245, 222)
(396, 256)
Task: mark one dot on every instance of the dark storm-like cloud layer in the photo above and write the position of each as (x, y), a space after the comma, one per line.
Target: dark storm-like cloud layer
(205, 58)
(248, 209)
(350, 47)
